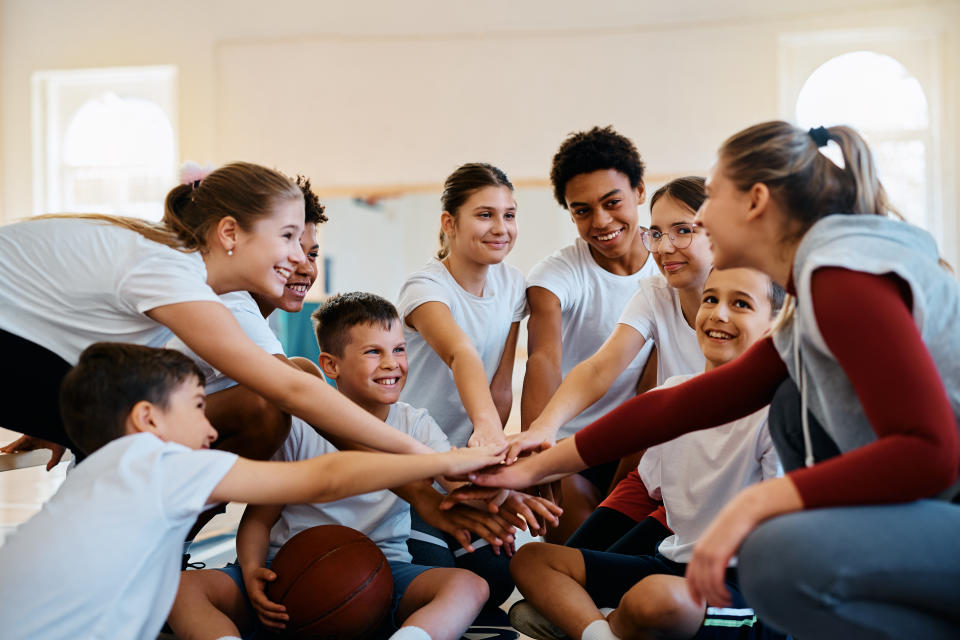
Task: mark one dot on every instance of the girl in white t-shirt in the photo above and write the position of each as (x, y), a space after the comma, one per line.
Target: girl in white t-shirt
(68, 281)
(462, 310)
(662, 310)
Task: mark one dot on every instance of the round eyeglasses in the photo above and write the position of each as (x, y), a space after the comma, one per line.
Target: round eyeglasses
(681, 235)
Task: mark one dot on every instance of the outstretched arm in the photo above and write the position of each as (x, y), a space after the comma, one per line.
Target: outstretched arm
(341, 474)
(301, 394)
(435, 323)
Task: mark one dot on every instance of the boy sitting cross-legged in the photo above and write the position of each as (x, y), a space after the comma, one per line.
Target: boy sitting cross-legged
(363, 350)
(102, 558)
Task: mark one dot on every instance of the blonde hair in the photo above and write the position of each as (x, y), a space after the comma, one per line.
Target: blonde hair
(242, 190)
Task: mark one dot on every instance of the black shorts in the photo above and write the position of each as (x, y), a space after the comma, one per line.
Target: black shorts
(611, 575)
(601, 475)
(31, 395)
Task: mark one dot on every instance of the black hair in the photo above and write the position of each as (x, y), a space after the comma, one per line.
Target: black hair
(594, 150)
(333, 319)
(313, 208)
(98, 394)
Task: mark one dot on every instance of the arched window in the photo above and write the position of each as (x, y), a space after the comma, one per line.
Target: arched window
(878, 96)
(107, 141)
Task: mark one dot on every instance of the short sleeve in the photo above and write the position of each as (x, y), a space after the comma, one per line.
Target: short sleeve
(188, 477)
(420, 289)
(557, 276)
(519, 289)
(639, 312)
(427, 431)
(255, 325)
(165, 276)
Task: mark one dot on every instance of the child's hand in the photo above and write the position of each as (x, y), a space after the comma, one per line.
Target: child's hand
(466, 520)
(537, 512)
(271, 614)
(469, 459)
(29, 443)
(529, 441)
(481, 437)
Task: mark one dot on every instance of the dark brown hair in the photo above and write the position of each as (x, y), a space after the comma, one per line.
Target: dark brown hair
(333, 319)
(688, 190)
(98, 394)
(460, 185)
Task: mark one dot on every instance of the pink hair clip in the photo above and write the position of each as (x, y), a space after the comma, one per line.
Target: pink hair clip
(193, 173)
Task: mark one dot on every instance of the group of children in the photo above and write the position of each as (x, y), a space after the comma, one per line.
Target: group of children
(657, 492)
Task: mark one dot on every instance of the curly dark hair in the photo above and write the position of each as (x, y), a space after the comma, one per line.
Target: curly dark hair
(312, 205)
(594, 150)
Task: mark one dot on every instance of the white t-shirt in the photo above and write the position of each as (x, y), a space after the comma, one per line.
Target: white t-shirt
(654, 311)
(67, 283)
(380, 515)
(102, 558)
(486, 320)
(697, 474)
(244, 308)
(591, 301)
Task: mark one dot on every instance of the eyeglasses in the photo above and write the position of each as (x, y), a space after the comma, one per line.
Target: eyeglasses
(681, 235)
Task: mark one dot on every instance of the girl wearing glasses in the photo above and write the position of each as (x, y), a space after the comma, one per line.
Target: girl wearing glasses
(662, 310)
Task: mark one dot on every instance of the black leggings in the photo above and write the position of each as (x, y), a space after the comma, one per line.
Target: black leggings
(31, 395)
(609, 530)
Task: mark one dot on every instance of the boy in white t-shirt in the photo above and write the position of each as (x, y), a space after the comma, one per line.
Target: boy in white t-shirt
(363, 351)
(694, 475)
(102, 557)
(576, 295)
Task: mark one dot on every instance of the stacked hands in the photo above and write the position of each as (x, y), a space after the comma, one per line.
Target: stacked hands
(522, 466)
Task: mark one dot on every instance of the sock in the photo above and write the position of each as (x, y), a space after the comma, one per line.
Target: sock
(410, 633)
(606, 611)
(598, 630)
(228, 638)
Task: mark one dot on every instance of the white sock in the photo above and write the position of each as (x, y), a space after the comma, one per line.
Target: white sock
(598, 630)
(606, 611)
(228, 638)
(410, 633)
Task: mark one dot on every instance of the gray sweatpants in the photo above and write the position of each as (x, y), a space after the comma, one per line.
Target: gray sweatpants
(889, 571)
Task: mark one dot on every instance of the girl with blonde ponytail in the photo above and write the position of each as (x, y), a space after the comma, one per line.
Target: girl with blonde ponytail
(67, 281)
(859, 538)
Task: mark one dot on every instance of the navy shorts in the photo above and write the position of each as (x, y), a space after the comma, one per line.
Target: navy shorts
(611, 575)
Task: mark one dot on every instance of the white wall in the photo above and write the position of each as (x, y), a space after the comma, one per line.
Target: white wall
(358, 108)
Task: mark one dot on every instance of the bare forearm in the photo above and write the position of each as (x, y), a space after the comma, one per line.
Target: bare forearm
(253, 536)
(540, 382)
(583, 386)
(474, 391)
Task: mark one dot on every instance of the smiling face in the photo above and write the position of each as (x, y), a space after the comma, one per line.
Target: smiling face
(265, 257)
(183, 420)
(683, 268)
(484, 228)
(299, 283)
(734, 313)
(603, 205)
(373, 367)
(722, 216)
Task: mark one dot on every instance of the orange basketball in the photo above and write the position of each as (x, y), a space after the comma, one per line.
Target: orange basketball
(334, 581)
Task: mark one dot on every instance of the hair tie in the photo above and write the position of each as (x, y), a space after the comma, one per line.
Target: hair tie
(193, 173)
(820, 136)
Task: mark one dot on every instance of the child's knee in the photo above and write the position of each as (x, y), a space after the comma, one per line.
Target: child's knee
(535, 557)
(656, 603)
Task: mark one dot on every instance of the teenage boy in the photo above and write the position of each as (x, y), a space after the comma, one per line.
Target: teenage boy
(102, 557)
(576, 295)
(364, 352)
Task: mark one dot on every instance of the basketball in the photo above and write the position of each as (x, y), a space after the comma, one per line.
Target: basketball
(334, 581)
